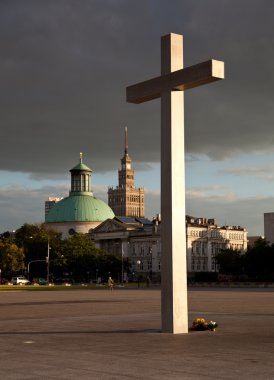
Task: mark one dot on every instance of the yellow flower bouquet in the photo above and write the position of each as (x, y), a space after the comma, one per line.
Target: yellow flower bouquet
(200, 324)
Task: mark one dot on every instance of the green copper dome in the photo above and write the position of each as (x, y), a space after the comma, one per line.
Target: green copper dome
(79, 208)
(81, 167)
(81, 205)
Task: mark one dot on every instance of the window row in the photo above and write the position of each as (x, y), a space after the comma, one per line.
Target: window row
(216, 234)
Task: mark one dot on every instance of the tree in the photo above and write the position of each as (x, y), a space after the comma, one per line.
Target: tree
(260, 261)
(11, 258)
(86, 261)
(231, 262)
(25, 233)
(257, 263)
(35, 240)
(76, 255)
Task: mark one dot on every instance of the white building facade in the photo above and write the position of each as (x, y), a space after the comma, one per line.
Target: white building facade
(139, 241)
(205, 240)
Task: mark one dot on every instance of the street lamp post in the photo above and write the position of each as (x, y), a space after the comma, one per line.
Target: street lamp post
(47, 261)
(139, 267)
(150, 251)
(122, 265)
(33, 261)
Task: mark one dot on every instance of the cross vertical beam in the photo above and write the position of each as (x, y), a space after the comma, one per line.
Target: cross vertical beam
(170, 86)
(173, 236)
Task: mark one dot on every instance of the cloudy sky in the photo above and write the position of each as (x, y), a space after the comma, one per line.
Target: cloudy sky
(64, 68)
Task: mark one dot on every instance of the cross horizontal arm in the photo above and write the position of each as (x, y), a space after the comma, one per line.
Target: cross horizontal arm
(184, 79)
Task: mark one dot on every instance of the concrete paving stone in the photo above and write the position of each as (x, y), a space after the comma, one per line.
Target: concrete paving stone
(97, 334)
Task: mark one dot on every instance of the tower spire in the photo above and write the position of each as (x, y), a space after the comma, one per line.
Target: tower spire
(81, 157)
(126, 200)
(126, 142)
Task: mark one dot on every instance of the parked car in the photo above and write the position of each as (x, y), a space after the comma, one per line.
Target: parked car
(20, 280)
(63, 281)
(39, 281)
(5, 281)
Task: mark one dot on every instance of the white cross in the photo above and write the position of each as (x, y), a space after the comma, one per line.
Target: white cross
(170, 87)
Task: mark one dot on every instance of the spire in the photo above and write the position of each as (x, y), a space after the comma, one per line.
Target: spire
(81, 157)
(126, 142)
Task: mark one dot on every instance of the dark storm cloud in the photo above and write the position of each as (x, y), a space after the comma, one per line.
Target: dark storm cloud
(63, 76)
(64, 67)
(235, 116)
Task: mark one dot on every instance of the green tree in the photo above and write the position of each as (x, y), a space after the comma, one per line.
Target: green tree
(231, 262)
(76, 255)
(260, 261)
(35, 239)
(85, 261)
(11, 258)
(25, 233)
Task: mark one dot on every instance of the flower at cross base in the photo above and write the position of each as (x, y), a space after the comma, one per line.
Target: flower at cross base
(200, 324)
(212, 325)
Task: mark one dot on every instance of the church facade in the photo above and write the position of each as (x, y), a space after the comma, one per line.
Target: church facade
(125, 199)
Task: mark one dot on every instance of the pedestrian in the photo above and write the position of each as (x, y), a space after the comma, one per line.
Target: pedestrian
(110, 283)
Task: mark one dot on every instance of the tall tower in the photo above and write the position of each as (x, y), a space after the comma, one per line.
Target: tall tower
(125, 199)
(50, 203)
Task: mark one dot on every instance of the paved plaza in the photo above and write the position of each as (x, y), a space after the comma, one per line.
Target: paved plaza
(98, 334)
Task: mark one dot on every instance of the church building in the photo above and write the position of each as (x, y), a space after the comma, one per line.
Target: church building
(125, 199)
(80, 212)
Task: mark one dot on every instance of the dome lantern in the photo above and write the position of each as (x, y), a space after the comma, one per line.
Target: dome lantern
(81, 179)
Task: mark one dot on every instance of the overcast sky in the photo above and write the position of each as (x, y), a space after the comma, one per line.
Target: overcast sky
(64, 68)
